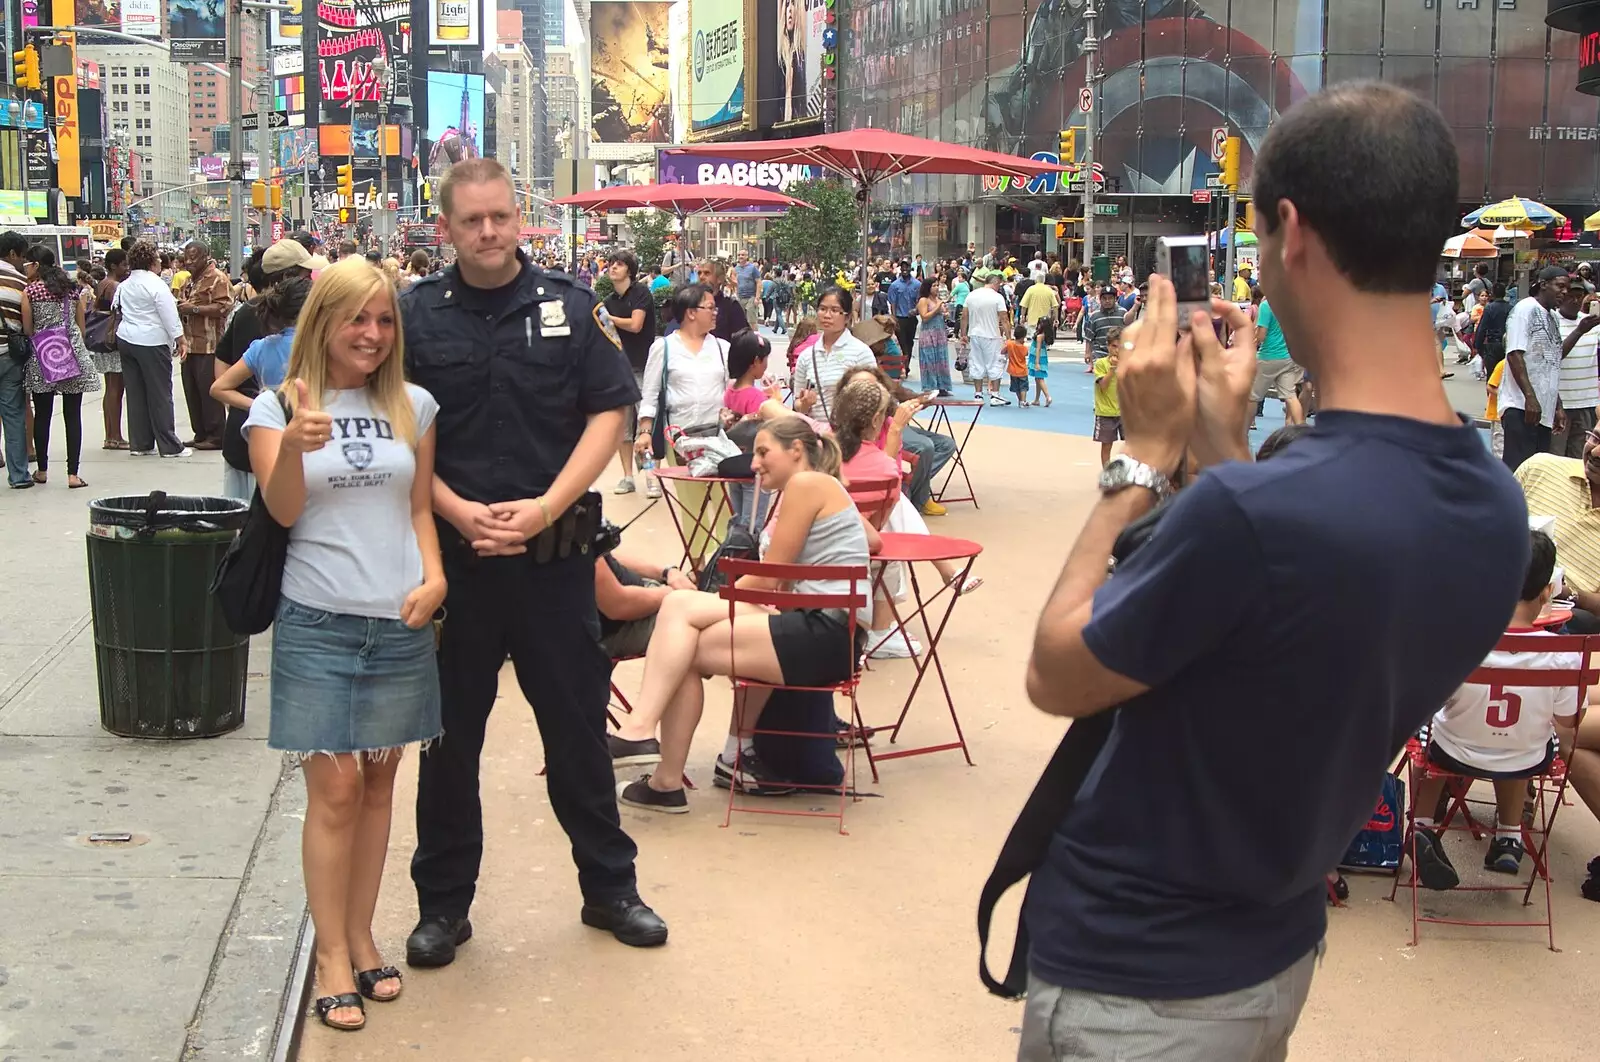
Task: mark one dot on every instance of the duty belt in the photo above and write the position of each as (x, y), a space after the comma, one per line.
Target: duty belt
(574, 531)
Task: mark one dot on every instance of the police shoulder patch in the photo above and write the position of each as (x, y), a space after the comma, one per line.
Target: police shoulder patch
(608, 327)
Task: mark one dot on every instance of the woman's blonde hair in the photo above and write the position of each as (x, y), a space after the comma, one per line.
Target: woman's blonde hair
(822, 452)
(340, 293)
(854, 409)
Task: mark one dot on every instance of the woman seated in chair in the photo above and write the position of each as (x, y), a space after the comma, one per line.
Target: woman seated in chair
(817, 523)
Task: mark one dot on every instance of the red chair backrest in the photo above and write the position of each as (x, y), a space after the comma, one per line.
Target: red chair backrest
(855, 574)
(1580, 678)
(874, 497)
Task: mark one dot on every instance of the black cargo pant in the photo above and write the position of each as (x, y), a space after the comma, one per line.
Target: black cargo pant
(544, 617)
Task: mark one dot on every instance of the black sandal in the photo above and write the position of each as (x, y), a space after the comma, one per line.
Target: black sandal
(367, 982)
(328, 1004)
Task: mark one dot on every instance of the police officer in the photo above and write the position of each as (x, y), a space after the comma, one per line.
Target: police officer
(532, 387)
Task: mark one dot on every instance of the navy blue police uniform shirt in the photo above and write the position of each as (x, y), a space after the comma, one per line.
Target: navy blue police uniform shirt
(516, 371)
(1296, 621)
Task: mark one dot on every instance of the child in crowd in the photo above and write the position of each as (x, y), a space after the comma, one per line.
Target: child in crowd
(1500, 733)
(1491, 410)
(1107, 413)
(805, 334)
(1044, 334)
(1016, 353)
(747, 365)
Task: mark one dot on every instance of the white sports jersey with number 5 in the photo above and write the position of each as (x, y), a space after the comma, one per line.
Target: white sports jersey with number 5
(1507, 728)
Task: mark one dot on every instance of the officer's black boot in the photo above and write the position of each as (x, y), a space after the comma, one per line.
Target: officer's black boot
(629, 920)
(434, 941)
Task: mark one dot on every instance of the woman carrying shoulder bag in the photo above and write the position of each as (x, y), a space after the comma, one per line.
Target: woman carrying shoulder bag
(685, 377)
(349, 470)
(60, 363)
(148, 334)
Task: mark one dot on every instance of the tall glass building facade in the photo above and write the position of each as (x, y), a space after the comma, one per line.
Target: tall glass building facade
(1007, 74)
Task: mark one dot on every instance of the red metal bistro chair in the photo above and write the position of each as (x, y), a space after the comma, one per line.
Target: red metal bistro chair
(1547, 790)
(855, 598)
(874, 498)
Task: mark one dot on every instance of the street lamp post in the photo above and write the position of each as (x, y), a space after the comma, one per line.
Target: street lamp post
(380, 220)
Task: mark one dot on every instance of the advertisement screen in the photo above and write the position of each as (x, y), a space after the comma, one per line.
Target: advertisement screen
(288, 26)
(729, 169)
(789, 60)
(195, 30)
(141, 18)
(1005, 74)
(455, 120)
(455, 23)
(630, 91)
(716, 63)
(297, 149)
(349, 36)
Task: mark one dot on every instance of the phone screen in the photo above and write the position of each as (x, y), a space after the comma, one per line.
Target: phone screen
(1189, 277)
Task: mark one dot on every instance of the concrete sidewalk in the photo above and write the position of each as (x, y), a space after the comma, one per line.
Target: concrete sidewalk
(178, 944)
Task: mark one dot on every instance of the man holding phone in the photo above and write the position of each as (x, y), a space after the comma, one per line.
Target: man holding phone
(1258, 646)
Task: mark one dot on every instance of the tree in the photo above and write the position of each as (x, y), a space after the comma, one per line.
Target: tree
(825, 237)
(650, 230)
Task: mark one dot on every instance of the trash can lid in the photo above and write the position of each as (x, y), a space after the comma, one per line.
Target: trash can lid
(160, 511)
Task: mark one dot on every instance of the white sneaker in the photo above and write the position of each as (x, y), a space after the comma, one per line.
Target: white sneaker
(896, 645)
(996, 400)
(652, 487)
(185, 452)
(141, 453)
(624, 486)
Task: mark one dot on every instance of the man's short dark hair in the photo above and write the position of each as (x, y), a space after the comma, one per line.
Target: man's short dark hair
(12, 243)
(1498, 291)
(1541, 565)
(305, 239)
(627, 259)
(1372, 170)
(127, 243)
(115, 256)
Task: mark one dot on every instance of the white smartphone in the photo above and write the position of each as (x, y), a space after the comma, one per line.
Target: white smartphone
(1183, 260)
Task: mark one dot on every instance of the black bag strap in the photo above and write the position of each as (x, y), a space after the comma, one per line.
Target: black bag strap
(1025, 846)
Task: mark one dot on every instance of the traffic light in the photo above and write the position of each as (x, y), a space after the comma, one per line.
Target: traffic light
(277, 197)
(258, 194)
(1230, 163)
(1069, 146)
(1061, 230)
(345, 214)
(1249, 223)
(26, 65)
(346, 182)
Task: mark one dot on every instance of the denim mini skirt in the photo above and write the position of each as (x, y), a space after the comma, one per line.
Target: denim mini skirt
(349, 683)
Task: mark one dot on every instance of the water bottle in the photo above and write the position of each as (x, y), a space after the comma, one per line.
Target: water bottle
(647, 463)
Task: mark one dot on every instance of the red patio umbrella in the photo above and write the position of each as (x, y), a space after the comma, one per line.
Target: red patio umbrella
(680, 199)
(870, 156)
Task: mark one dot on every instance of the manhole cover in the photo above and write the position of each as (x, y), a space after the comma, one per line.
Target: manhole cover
(113, 839)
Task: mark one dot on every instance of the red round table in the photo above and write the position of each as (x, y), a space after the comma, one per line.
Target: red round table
(911, 550)
(942, 424)
(1553, 618)
(689, 524)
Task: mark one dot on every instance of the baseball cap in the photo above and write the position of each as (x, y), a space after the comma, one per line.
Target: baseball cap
(285, 254)
(1548, 273)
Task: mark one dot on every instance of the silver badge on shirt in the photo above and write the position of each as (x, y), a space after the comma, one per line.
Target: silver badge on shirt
(553, 319)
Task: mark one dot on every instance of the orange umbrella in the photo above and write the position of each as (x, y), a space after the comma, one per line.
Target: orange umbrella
(1469, 245)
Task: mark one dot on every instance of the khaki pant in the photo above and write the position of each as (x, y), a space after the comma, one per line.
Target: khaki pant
(1250, 1025)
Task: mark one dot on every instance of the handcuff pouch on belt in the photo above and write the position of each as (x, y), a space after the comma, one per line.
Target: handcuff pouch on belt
(573, 532)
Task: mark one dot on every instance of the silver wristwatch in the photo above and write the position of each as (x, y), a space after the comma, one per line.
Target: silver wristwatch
(1124, 472)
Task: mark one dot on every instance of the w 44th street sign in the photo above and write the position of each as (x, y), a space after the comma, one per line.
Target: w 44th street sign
(275, 120)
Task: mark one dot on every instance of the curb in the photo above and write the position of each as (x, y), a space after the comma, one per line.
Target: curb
(297, 997)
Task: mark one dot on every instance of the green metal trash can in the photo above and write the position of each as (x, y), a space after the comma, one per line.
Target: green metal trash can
(168, 665)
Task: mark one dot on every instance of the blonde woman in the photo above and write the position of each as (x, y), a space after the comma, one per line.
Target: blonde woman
(349, 470)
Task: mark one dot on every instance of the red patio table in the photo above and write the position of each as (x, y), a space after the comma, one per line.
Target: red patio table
(899, 546)
(941, 423)
(700, 521)
(1553, 618)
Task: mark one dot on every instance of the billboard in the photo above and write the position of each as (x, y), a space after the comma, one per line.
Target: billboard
(297, 149)
(717, 46)
(195, 30)
(789, 61)
(630, 92)
(348, 36)
(730, 169)
(288, 26)
(455, 119)
(1005, 74)
(142, 18)
(455, 23)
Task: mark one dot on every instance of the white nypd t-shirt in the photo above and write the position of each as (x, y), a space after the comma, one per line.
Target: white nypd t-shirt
(1507, 728)
(354, 550)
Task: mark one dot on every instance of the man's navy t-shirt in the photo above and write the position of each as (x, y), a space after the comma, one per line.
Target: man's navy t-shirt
(1296, 620)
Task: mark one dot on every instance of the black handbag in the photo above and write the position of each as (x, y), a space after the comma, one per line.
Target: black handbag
(658, 427)
(1052, 797)
(249, 578)
(99, 332)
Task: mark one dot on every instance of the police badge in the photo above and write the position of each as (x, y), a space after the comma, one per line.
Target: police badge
(358, 455)
(608, 327)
